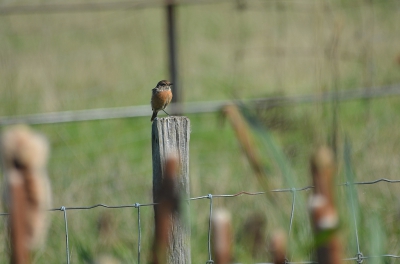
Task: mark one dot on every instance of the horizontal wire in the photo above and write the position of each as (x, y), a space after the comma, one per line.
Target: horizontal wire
(238, 194)
(345, 259)
(215, 196)
(126, 5)
(198, 107)
(136, 205)
(210, 196)
(377, 181)
(385, 255)
(96, 6)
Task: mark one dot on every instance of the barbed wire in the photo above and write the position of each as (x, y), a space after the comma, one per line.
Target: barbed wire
(358, 258)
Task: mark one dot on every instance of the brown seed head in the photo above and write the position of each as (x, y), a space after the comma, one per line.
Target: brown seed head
(322, 159)
(278, 247)
(222, 236)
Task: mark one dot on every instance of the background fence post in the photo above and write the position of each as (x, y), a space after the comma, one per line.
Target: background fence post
(170, 136)
(173, 55)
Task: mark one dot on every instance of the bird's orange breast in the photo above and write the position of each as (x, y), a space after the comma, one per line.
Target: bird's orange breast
(161, 99)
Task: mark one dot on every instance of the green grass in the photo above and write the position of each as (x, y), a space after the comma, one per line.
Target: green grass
(78, 61)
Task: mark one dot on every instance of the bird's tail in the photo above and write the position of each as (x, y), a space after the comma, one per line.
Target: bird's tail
(153, 116)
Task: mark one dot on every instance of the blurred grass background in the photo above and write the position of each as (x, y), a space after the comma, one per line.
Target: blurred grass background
(238, 49)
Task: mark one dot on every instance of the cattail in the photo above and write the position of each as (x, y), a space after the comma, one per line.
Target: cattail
(24, 156)
(248, 145)
(325, 224)
(322, 208)
(278, 247)
(222, 236)
(323, 170)
(323, 214)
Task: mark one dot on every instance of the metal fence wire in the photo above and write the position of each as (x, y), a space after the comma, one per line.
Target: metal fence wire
(370, 91)
(359, 256)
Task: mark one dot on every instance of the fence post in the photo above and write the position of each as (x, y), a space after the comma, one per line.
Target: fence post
(173, 54)
(170, 136)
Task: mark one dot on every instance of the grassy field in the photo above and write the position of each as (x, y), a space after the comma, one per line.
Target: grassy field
(59, 62)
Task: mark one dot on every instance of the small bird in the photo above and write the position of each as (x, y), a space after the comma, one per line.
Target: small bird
(161, 97)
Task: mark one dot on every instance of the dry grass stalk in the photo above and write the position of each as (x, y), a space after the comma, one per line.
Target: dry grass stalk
(278, 247)
(247, 143)
(27, 189)
(222, 236)
(322, 206)
(168, 204)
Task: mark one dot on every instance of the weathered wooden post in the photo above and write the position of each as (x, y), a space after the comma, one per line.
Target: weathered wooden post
(170, 137)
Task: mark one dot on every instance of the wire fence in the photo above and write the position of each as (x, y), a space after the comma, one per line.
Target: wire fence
(273, 11)
(358, 258)
(276, 14)
(96, 6)
(200, 107)
(135, 4)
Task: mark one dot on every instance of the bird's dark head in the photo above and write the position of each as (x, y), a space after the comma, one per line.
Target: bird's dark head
(163, 83)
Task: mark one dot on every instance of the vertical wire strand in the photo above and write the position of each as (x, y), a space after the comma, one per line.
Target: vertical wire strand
(140, 231)
(292, 215)
(66, 233)
(359, 254)
(209, 230)
(292, 212)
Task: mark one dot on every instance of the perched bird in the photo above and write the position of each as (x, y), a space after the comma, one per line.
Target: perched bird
(161, 96)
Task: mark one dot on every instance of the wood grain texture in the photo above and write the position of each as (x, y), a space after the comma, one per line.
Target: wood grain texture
(170, 136)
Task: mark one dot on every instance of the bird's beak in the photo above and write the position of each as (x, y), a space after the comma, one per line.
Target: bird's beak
(171, 84)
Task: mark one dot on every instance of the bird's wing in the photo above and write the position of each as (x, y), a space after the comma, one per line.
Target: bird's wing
(153, 92)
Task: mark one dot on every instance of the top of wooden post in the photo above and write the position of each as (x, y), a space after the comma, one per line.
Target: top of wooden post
(171, 136)
(170, 139)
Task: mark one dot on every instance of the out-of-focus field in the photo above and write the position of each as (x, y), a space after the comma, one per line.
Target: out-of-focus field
(74, 61)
